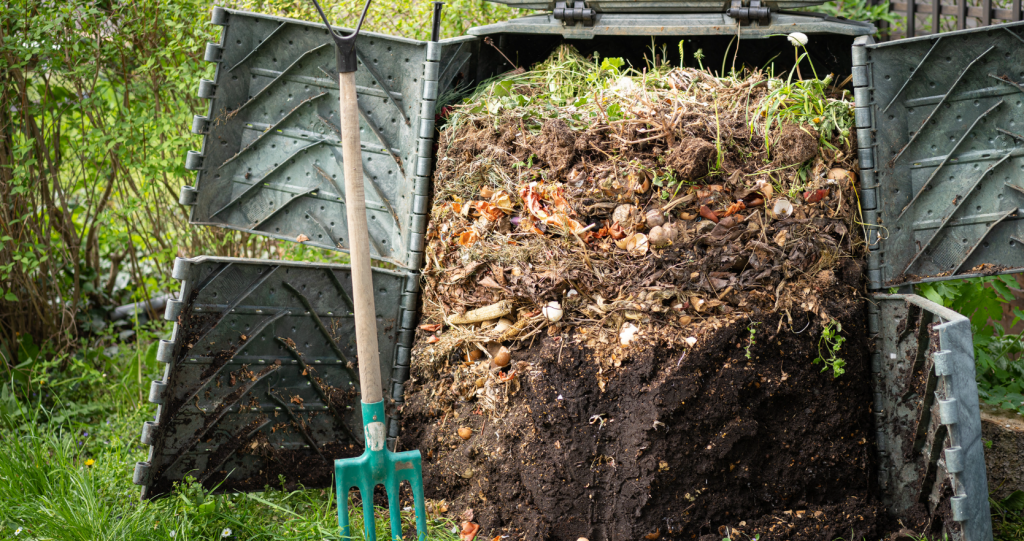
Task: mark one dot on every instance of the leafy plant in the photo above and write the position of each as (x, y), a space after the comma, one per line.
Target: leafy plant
(833, 342)
(862, 10)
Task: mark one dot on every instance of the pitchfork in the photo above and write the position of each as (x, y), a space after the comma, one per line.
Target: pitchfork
(377, 465)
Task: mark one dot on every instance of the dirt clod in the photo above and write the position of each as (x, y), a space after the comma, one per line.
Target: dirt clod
(796, 144)
(691, 158)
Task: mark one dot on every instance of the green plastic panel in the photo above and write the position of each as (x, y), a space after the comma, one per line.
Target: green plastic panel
(940, 126)
(261, 373)
(926, 411)
(271, 157)
(676, 24)
(658, 6)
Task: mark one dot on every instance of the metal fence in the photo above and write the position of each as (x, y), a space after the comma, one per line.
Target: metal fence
(922, 18)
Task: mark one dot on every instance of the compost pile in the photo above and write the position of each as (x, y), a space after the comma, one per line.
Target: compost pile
(627, 278)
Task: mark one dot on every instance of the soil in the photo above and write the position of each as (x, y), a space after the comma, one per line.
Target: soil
(741, 436)
(797, 144)
(691, 159)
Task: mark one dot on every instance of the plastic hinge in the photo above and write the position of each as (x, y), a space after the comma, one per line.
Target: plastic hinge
(409, 300)
(219, 16)
(880, 441)
(862, 96)
(867, 158)
(180, 269)
(421, 186)
(404, 356)
(433, 51)
(876, 358)
(423, 166)
(874, 278)
(942, 364)
(164, 351)
(420, 204)
(214, 52)
(148, 428)
(427, 108)
(200, 125)
(871, 217)
(430, 71)
(860, 76)
(958, 504)
(173, 310)
(408, 319)
(419, 224)
(862, 117)
(412, 283)
(426, 128)
(867, 178)
(948, 411)
(188, 196)
(954, 460)
(141, 474)
(400, 374)
(867, 199)
(405, 338)
(424, 147)
(156, 392)
(874, 262)
(415, 260)
(430, 90)
(398, 390)
(858, 54)
(416, 243)
(193, 161)
(863, 137)
(207, 89)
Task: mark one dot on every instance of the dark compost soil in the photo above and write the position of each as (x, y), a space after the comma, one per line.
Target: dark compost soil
(694, 445)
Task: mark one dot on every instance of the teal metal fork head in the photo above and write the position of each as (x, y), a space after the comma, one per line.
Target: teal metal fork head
(379, 466)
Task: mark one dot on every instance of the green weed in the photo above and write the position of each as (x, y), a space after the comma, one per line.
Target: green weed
(750, 340)
(833, 342)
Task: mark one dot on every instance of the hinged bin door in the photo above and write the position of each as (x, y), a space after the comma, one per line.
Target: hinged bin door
(927, 417)
(940, 130)
(261, 374)
(271, 157)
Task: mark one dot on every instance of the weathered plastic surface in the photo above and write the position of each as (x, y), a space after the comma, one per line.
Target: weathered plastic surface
(658, 6)
(271, 156)
(927, 415)
(261, 373)
(709, 23)
(940, 126)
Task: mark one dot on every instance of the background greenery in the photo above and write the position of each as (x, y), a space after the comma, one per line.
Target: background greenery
(96, 102)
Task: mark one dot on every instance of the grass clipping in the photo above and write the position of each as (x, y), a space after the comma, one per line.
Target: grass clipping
(633, 204)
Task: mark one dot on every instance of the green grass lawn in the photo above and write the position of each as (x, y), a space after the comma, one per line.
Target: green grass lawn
(68, 476)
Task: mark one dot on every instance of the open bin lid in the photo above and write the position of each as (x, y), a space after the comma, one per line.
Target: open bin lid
(271, 159)
(940, 131)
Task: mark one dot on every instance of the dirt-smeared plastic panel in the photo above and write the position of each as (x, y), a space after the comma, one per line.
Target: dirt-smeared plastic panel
(261, 374)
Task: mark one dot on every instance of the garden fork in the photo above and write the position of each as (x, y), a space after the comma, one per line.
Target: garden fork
(377, 465)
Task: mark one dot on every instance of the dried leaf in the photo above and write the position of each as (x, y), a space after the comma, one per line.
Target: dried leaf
(706, 213)
(301, 238)
(430, 327)
(780, 238)
(487, 281)
(468, 237)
